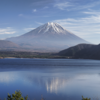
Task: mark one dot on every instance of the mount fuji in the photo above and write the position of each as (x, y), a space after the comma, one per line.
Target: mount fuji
(48, 37)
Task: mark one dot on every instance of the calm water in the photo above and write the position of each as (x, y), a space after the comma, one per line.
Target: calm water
(54, 79)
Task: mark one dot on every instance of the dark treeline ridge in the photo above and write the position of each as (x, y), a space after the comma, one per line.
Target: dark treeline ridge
(82, 51)
(18, 54)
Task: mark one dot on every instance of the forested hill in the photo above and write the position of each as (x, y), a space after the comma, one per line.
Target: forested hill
(82, 51)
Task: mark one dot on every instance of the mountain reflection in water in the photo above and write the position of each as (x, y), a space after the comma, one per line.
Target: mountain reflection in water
(51, 84)
(64, 82)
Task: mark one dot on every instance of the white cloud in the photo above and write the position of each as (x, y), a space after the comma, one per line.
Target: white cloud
(39, 23)
(63, 5)
(34, 10)
(83, 27)
(85, 6)
(7, 30)
(75, 6)
(28, 29)
(2, 38)
(91, 12)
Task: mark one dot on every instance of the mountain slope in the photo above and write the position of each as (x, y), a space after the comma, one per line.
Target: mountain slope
(8, 45)
(50, 36)
(73, 50)
(83, 51)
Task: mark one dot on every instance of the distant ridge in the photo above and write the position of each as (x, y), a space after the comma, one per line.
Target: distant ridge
(48, 37)
(8, 45)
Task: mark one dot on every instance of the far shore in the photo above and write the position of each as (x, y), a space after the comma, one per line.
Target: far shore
(36, 57)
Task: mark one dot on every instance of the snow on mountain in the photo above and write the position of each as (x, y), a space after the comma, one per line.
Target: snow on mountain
(49, 29)
(50, 26)
(50, 36)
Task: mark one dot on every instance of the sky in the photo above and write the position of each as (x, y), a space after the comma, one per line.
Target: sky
(81, 17)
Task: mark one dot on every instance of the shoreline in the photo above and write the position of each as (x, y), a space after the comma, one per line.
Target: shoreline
(47, 58)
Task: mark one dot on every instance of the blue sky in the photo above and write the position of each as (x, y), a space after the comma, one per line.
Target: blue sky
(81, 17)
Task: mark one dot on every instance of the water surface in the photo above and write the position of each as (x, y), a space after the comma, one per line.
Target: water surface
(53, 79)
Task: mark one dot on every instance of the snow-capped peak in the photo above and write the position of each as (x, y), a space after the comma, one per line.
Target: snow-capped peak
(52, 27)
(50, 23)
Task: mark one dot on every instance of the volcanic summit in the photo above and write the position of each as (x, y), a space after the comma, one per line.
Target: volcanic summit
(48, 37)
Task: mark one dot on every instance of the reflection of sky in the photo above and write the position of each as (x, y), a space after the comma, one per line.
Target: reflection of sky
(7, 77)
(52, 83)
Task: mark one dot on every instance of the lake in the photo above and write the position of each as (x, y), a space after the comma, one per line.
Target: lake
(52, 79)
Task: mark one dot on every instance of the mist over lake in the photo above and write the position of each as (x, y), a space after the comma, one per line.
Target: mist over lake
(56, 79)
